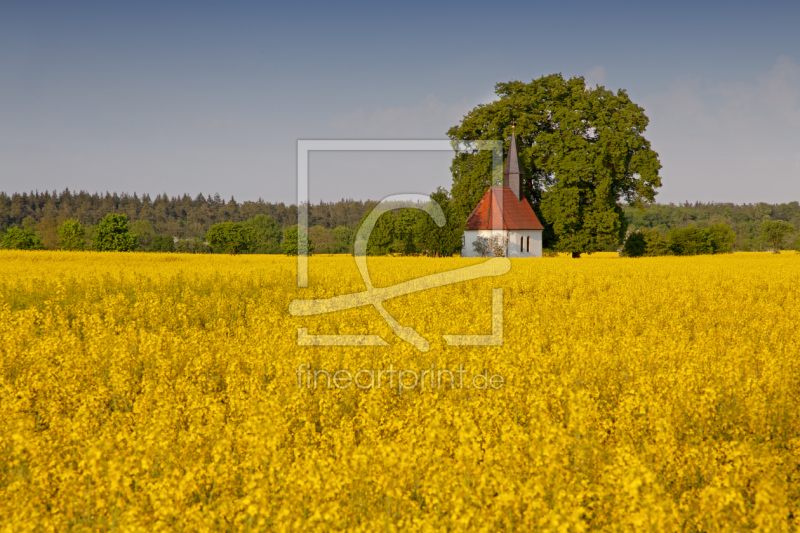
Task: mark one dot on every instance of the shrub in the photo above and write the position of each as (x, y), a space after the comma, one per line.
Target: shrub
(21, 239)
(71, 236)
(721, 237)
(656, 244)
(635, 244)
(112, 235)
(482, 246)
(289, 244)
(689, 241)
(162, 243)
(499, 245)
(231, 237)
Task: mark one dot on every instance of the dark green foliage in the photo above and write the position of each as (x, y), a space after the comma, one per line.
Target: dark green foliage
(71, 236)
(581, 153)
(722, 238)
(21, 239)
(267, 234)
(145, 233)
(162, 243)
(181, 216)
(471, 179)
(717, 239)
(112, 235)
(322, 238)
(689, 241)
(745, 220)
(289, 244)
(635, 245)
(382, 236)
(343, 240)
(404, 224)
(231, 238)
(656, 244)
(775, 232)
(432, 240)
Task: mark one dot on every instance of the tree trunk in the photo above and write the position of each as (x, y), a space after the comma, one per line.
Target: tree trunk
(576, 255)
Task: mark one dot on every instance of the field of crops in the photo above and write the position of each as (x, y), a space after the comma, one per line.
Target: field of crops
(148, 392)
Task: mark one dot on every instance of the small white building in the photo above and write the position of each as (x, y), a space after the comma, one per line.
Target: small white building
(504, 212)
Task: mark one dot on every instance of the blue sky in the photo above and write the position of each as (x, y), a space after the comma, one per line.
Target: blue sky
(212, 97)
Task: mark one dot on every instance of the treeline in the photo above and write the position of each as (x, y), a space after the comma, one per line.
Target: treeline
(182, 217)
(182, 224)
(183, 220)
(745, 220)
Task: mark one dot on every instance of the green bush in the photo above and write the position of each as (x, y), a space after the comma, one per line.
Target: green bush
(21, 239)
(289, 244)
(162, 243)
(112, 235)
(635, 244)
(71, 236)
(231, 237)
(722, 238)
(267, 234)
(689, 241)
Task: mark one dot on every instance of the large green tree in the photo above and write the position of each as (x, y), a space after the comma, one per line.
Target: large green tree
(71, 236)
(775, 232)
(436, 241)
(267, 234)
(582, 153)
(382, 236)
(112, 235)
(343, 240)
(231, 237)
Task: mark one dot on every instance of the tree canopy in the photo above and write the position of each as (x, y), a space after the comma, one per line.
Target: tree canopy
(162, 243)
(289, 244)
(775, 232)
(267, 234)
(21, 239)
(231, 237)
(582, 152)
(112, 235)
(71, 236)
(718, 238)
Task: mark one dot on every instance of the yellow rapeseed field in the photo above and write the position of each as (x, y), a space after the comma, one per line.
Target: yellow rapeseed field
(160, 392)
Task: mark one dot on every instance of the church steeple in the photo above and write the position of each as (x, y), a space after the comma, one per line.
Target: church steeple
(512, 177)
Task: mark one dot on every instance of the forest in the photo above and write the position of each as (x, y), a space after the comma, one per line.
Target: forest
(187, 220)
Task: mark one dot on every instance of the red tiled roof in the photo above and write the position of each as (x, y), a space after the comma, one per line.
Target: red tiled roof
(500, 208)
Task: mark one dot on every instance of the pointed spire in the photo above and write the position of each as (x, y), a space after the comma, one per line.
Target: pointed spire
(512, 177)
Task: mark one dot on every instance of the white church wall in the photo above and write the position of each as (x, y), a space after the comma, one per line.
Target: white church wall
(531, 242)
